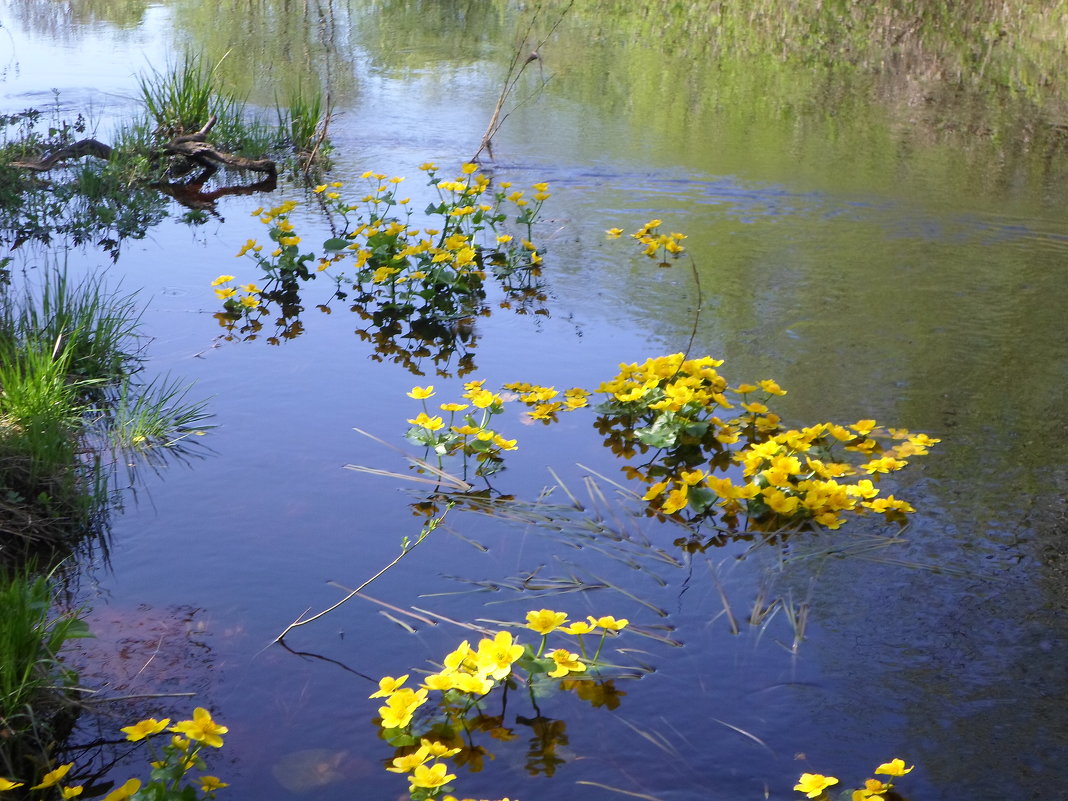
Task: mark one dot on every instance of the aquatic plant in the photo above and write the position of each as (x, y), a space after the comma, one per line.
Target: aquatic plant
(431, 278)
(428, 730)
(814, 785)
(690, 424)
(171, 778)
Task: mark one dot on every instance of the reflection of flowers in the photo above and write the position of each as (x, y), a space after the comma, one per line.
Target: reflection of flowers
(595, 693)
(549, 734)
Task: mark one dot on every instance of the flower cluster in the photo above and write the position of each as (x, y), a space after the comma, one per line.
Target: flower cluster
(699, 425)
(714, 449)
(468, 430)
(168, 781)
(814, 785)
(428, 735)
(545, 402)
(654, 244)
(436, 273)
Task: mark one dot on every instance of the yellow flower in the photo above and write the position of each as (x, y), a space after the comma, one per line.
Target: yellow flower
(419, 393)
(608, 623)
(428, 166)
(250, 302)
(125, 791)
(545, 620)
(180, 743)
(409, 762)
(146, 728)
(251, 288)
(430, 777)
(71, 792)
(813, 784)
(453, 407)
(7, 784)
(495, 657)
(468, 168)
(222, 279)
(895, 767)
(429, 423)
(579, 627)
(873, 791)
(566, 662)
(223, 294)
(53, 776)
(320, 189)
(201, 728)
(400, 707)
(388, 685)
(210, 784)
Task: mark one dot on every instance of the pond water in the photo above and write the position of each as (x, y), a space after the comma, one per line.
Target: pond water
(850, 244)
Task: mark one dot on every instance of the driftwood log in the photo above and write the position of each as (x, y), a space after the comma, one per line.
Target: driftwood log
(193, 147)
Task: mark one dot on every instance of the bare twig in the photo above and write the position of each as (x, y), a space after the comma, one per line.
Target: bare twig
(406, 548)
(515, 72)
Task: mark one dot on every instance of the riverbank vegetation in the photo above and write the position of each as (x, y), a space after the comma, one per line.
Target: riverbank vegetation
(192, 142)
(72, 408)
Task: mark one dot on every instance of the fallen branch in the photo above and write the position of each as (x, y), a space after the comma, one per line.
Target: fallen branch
(190, 146)
(84, 147)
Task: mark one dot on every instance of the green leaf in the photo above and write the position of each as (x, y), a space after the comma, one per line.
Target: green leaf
(335, 244)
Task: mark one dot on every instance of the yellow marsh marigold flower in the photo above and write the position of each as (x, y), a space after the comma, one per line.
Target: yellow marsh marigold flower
(7, 784)
(320, 189)
(419, 393)
(614, 233)
(429, 423)
(895, 767)
(468, 168)
(210, 784)
(453, 407)
(250, 302)
(223, 294)
(676, 500)
(71, 792)
(201, 728)
(436, 749)
(388, 685)
(222, 279)
(409, 762)
(400, 707)
(124, 792)
(873, 791)
(495, 657)
(863, 427)
(53, 776)
(430, 777)
(813, 784)
(146, 728)
(579, 627)
(608, 623)
(566, 662)
(545, 620)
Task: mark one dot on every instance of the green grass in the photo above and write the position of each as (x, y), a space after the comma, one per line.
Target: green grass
(303, 119)
(33, 679)
(70, 401)
(155, 415)
(181, 99)
(92, 326)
